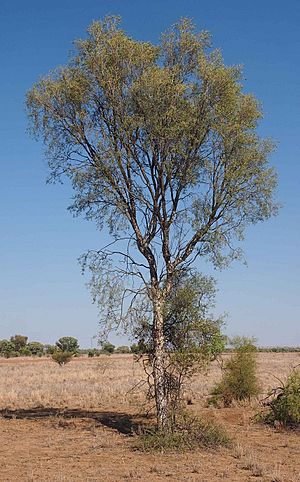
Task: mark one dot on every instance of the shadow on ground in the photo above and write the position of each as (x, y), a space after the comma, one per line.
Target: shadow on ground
(119, 421)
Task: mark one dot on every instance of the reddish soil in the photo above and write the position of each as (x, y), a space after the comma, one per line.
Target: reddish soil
(97, 446)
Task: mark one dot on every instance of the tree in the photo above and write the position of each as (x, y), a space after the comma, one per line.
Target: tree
(68, 344)
(19, 341)
(160, 145)
(107, 347)
(7, 348)
(35, 348)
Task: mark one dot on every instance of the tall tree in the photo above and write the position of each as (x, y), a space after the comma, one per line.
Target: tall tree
(160, 145)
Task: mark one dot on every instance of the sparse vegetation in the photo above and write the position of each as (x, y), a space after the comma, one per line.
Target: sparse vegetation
(62, 357)
(283, 402)
(188, 433)
(107, 348)
(239, 380)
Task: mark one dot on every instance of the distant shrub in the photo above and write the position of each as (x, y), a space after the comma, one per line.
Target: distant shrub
(134, 348)
(49, 349)
(14, 354)
(280, 349)
(284, 402)
(239, 380)
(122, 349)
(68, 344)
(138, 348)
(188, 434)
(35, 348)
(62, 357)
(6, 348)
(25, 351)
(107, 348)
(93, 352)
(19, 341)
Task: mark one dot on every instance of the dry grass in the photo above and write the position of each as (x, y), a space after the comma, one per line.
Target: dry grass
(84, 383)
(107, 381)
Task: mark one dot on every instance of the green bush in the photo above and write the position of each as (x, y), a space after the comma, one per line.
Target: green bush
(187, 434)
(138, 348)
(6, 348)
(19, 341)
(284, 402)
(124, 349)
(239, 381)
(62, 357)
(68, 344)
(107, 348)
(93, 352)
(35, 348)
(49, 349)
(25, 351)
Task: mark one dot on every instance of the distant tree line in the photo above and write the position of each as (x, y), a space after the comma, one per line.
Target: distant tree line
(18, 345)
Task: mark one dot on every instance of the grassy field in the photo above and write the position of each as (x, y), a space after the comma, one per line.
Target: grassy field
(77, 422)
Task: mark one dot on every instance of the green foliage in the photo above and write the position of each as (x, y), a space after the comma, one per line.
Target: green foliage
(25, 351)
(239, 381)
(138, 348)
(122, 349)
(62, 357)
(68, 344)
(19, 341)
(280, 349)
(7, 348)
(122, 115)
(49, 349)
(107, 347)
(189, 433)
(284, 402)
(35, 348)
(93, 352)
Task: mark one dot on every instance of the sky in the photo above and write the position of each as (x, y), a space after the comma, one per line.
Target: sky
(42, 292)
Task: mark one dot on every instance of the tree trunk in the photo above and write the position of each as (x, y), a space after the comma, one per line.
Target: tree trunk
(159, 360)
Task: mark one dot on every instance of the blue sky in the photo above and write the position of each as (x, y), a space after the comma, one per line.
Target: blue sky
(42, 293)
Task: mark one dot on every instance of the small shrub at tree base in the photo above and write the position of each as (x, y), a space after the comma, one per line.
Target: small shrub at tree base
(187, 434)
(62, 357)
(284, 402)
(239, 380)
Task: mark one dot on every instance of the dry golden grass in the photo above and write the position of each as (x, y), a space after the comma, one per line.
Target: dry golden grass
(107, 381)
(84, 383)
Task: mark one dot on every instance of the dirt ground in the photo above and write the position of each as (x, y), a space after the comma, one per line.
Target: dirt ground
(73, 440)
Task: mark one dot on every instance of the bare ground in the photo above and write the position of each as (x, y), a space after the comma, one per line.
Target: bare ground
(77, 423)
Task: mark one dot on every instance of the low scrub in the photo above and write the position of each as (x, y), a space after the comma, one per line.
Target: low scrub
(188, 434)
(283, 402)
(62, 357)
(239, 380)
